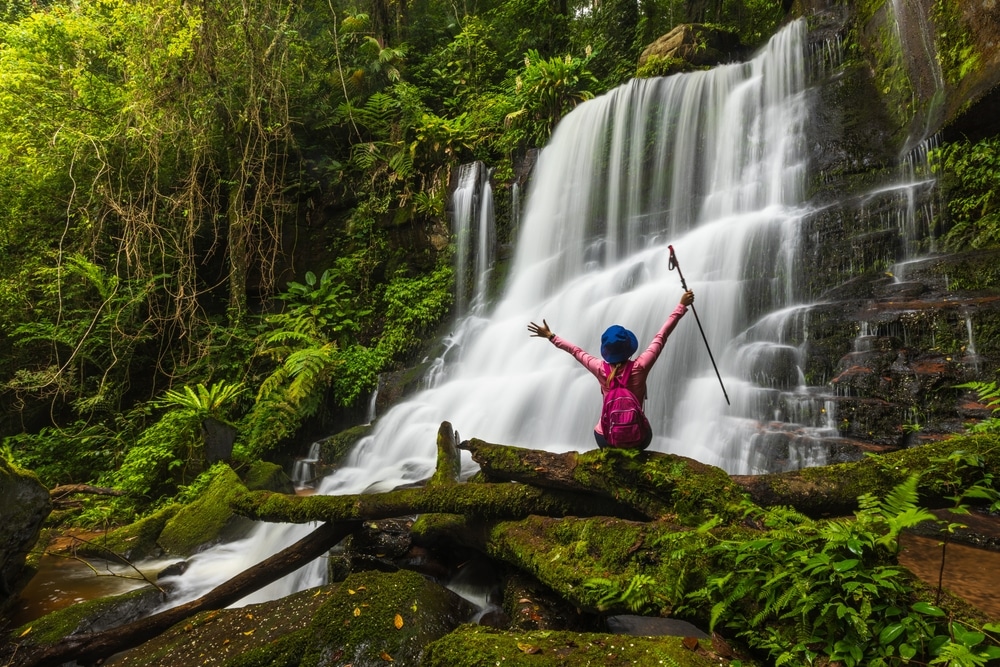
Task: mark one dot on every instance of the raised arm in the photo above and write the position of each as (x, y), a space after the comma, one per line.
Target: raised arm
(590, 362)
(646, 360)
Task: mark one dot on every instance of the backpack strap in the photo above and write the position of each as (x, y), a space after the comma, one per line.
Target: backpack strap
(620, 380)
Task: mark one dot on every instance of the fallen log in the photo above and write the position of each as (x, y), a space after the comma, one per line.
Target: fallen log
(657, 486)
(88, 648)
(674, 487)
(60, 492)
(634, 485)
(833, 490)
(481, 501)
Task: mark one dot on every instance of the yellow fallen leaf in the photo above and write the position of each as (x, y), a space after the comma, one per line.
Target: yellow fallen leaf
(398, 621)
(249, 632)
(385, 656)
(530, 649)
(225, 641)
(25, 632)
(351, 592)
(250, 617)
(357, 611)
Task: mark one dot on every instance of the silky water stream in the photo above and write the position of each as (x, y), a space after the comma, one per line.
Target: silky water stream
(711, 162)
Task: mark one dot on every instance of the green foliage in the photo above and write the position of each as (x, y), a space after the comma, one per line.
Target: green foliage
(202, 402)
(320, 308)
(88, 327)
(968, 176)
(659, 66)
(467, 66)
(830, 590)
(545, 91)
(989, 393)
(412, 306)
(639, 595)
(957, 54)
(76, 454)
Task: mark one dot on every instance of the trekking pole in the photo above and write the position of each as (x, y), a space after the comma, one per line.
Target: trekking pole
(674, 265)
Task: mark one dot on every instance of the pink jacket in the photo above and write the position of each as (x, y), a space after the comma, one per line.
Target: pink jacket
(643, 363)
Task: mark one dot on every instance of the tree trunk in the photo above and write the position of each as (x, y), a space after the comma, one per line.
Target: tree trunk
(91, 647)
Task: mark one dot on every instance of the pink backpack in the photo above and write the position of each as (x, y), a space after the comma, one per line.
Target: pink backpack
(622, 420)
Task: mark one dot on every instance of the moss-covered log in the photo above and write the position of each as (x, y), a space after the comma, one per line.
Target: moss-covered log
(485, 501)
(834, 490)
(658, 486)
(684, 490)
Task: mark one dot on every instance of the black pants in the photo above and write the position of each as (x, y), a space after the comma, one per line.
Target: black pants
(603, 444)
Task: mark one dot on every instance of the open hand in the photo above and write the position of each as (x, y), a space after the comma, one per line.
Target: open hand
(540, 330)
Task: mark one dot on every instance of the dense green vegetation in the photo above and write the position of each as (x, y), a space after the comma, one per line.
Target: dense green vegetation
(225, 212)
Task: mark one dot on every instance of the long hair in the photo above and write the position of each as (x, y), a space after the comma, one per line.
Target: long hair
(615, 369)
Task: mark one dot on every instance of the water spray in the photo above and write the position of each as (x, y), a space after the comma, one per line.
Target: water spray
(674, 265)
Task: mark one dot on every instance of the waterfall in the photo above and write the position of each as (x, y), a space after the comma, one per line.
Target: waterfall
(304, 469)
(712, 162)
(474, 230)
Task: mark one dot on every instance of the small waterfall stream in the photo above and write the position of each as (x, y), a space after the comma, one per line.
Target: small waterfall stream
(712, 162)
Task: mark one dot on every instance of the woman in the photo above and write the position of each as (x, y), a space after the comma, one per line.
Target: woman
(618, 344)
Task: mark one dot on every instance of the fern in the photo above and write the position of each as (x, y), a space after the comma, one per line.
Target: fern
(989, 393)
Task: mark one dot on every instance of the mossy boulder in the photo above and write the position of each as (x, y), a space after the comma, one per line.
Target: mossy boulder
(693, 46)
(473, 645)
(334, 448)
(369, 620)
(266, 476)
(133, 542)
(207, 520)
(24, 505)
(88, 617)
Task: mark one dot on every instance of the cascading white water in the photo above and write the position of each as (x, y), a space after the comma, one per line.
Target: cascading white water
(474, 229)
(711, 162)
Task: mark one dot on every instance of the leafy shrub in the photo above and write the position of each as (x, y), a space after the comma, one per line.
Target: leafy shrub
(76, 454)
(969, 171)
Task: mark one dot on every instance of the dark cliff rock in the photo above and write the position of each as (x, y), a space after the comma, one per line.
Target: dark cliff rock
(24, 505)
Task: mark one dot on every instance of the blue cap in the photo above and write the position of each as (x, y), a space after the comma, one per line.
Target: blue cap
(618, 344)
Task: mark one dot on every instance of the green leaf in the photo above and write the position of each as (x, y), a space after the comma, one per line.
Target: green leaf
(890, 633)
(845, 565)
(927, 609)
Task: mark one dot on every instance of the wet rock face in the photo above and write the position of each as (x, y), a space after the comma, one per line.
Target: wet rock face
(24, 505)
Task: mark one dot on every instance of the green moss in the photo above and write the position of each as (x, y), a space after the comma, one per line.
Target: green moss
(334, 448)
(957, 53)
(876, 35)
(135, 541)
(662, 66)
(206, 520)
(564, 554)
(477, 645)
(286, 651)
(51, 628)
(973, 271)
(266, 476)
